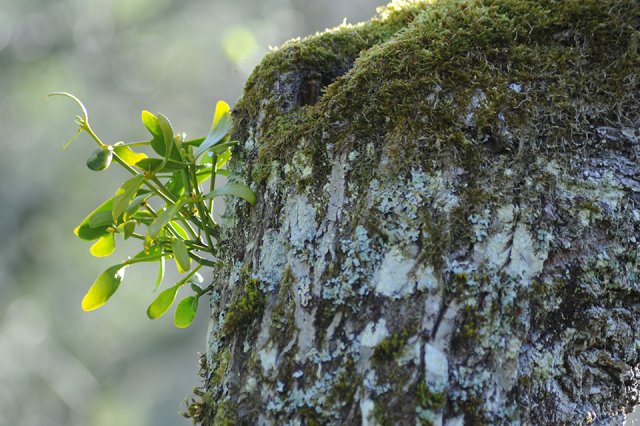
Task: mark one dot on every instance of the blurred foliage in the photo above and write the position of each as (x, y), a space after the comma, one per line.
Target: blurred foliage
(58, 365)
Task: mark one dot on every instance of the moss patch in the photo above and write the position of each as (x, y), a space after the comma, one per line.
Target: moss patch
(503, 76)
(391, 347)
(246, 309)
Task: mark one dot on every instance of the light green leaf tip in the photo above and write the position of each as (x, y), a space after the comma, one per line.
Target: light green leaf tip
(103, 288)
(104, 246)
(219, 128)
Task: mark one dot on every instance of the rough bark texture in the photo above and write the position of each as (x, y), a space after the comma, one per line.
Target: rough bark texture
(447, 226)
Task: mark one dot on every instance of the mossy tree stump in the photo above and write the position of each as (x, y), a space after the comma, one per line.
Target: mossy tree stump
(448, 222)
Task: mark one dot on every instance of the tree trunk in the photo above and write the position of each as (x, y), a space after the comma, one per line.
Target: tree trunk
(447, 222)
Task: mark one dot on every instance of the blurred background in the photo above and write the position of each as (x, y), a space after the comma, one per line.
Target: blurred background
(113, 366)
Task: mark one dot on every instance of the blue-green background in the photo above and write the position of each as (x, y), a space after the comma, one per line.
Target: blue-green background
(113, 366)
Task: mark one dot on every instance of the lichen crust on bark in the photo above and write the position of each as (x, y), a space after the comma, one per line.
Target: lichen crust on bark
(447, 222)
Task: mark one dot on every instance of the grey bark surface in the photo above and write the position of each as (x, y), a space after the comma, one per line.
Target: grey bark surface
(392, 276)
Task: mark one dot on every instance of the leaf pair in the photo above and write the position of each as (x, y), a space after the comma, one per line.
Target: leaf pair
(186, 309)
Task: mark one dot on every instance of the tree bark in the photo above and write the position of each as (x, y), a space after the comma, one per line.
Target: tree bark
(447, 222)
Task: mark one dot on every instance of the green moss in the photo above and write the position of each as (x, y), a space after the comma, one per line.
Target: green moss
(392, 347)
(539, 74)
(225, 414)
(246, 309)
(468, 331)
(427, 402)
(201, 406)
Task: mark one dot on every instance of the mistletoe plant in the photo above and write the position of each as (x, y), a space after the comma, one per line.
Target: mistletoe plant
(163, 205)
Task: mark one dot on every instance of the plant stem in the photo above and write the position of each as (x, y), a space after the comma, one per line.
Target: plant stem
(203, 261)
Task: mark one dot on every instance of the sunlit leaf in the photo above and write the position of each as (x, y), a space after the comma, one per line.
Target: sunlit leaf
(85, 231)
(151, 123)
(186, 311)
(124, 196)
(163, 302)
(103, 288)
(160, 274)
(179, 229)
(104, 246)
(171, 150)
(128, 155)
(219, 129)
(223, 158)
(181, 255)
(164, 218)
(235, 190)
(100, 159)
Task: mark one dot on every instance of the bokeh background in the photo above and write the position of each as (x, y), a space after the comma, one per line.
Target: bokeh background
(58, 365)
(113, 366)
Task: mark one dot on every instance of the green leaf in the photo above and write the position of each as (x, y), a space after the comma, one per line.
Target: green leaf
(219, 129)
(156, 165)
(194, 281)
(160, 274)
(186, 311)
(128, 155)
(135, 205)
(104, 246)
(151, 123)
(223, 158)
(164, 218)
(103, 288)
(179, 229)
(124, 196)
(100, 159)
(219, 149)
(181, 255)
(101, 219)
(169, 141)
(236, 190)
(85, 231)
(163, 302)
